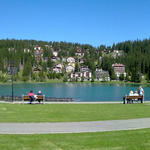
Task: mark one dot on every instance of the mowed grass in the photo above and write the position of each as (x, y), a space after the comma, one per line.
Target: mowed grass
(71, 112)
(115, 140)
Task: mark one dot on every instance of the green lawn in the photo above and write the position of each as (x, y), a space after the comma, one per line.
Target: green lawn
(116, 140)
(71, 112)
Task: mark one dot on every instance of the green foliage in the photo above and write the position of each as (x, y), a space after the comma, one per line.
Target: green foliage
(3, 78)
(25, 78)
(135, 56)
(82, 78)
(92, 80)
(121, 77)
(27, 69)
(65, 79)
(76, 67)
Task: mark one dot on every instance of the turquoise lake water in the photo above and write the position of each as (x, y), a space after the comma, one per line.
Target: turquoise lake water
(77, 91)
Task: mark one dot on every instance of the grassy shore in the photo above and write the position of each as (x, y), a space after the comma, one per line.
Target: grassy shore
(71, 112)
(115, 140)
(61, 81)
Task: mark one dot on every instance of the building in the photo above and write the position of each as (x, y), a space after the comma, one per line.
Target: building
(79, 52)
(57, 69)
(76, 75)
(102, 75)
(36, 69)
(38, 52)
(64, 59)
(53, 58)
(84, 69)
(116, 53)
(87, 75)
(26, 50)
(59, 66)
(71, 64)
(81, 61)
(55, 53)
(79, 75)
(70, 60)
(119, 69)
(69, 69)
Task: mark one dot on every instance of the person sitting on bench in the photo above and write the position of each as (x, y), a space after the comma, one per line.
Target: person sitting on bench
(31, 95)
(39, 93)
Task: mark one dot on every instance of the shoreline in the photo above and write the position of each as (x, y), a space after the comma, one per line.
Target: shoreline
(87, 82)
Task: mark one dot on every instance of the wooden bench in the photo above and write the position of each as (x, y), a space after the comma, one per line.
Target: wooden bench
(131, 99)
(39, 98)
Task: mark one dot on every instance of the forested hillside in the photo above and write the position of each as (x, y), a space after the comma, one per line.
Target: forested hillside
(39, 60)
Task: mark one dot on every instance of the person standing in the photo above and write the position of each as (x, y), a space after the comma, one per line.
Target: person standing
(141, 93)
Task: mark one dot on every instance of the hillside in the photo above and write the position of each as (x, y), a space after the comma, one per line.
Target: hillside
(42, 61)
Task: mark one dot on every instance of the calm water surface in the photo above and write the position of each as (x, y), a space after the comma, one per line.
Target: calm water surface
(78, 91)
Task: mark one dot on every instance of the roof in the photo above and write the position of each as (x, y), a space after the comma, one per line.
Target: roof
(118, 65)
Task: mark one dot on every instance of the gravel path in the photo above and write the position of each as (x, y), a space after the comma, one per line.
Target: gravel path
(73, 127)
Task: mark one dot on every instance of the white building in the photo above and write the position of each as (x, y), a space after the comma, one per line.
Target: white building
(77, 75)
(26, 50)
(102, 75)
(59, 66)
(55, 53)
(57, 69)
(37, 48)
(87, 75)
(69, 69)
(70, 60)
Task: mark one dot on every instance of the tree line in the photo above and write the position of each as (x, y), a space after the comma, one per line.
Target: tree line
(135, 57)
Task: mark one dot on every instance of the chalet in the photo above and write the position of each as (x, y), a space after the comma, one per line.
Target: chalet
(57, 69)
(55, 53)
(64, 59)
(84, 69)
(87, 75)
(71, 64)
(59, 66)
(70, 60)
(37, 48)
(79, 52)
(36, 69)
(69, 69)
(38, 52)
(81, 61)
(77, 75)
(11, 49)
(53, 59)
(119, 69)
(102, 75)
(26, 50)
(116, 53)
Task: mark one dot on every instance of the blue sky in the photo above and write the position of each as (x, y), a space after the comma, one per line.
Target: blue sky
(92, 22)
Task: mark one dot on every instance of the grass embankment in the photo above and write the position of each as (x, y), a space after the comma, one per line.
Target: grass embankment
(116, 140)
(61, 81)
(71, 112)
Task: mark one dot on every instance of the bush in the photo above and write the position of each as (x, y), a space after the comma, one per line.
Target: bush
(65, 79)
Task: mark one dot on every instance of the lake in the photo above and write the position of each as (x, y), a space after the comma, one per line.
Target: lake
(88, 92)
